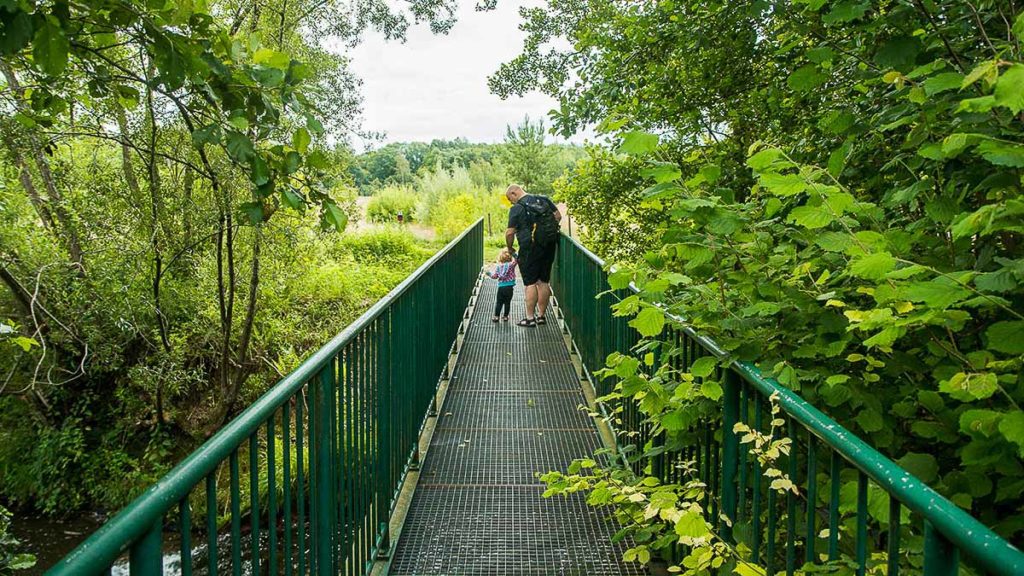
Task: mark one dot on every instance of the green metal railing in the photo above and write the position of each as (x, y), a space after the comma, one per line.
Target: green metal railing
(314, 466)
(782, 532)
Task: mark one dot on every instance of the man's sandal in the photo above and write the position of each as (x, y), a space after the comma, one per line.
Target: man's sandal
(494, 319)
(541, 320)
(527, 323)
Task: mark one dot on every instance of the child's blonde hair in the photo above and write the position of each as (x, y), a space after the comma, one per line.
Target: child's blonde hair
(504, 255)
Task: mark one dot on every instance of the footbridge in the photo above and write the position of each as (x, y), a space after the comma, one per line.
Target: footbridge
(412, 443)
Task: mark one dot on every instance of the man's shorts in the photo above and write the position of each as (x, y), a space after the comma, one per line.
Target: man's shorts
(535, 263)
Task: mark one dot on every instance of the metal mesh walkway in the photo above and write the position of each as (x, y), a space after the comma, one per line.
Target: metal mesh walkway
(511, 411)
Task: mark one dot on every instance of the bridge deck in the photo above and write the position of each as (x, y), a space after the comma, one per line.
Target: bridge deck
(511, 410)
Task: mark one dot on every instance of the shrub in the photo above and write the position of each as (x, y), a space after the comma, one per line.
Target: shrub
(385, 205)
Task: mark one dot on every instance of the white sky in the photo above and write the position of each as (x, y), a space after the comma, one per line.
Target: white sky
(435, 86)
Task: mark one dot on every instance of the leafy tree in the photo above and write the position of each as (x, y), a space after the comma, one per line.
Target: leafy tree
(147, 152)
(529, 162)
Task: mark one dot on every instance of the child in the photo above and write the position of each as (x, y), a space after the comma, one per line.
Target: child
(505, 273)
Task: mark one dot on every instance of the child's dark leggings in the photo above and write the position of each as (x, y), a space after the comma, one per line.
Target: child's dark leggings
(504, 300)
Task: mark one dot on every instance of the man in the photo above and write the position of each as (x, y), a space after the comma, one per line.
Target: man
(533, 221)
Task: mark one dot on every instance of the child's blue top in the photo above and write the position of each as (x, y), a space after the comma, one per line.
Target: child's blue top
(505, 274)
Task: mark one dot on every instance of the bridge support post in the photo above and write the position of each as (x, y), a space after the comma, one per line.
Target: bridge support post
(730, 450)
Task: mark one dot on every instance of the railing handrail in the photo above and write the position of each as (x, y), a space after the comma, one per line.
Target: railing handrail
(980, 542)
(112, 539)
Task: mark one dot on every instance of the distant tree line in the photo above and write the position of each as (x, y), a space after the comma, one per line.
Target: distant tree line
(524, 157)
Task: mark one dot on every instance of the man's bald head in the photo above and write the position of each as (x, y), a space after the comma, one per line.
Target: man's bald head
(514, 192)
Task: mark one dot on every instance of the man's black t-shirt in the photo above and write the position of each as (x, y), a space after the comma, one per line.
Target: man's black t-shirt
(518, 219)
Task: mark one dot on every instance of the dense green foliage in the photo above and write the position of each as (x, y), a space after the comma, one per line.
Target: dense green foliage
(152, 283)
(830, 188)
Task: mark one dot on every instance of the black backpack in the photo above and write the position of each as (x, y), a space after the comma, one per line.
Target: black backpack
(540, 216)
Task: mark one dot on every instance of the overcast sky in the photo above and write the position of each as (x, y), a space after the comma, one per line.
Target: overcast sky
(435, 86)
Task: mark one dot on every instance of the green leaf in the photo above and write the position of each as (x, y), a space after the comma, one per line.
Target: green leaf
(254, 211)
(662, 172)
(873, 266)
(1010, 89)
(1018, 27)
(661, 190)
(266, 76)
(939, 293)
(209, 134)
(335, 217)
(637, 143)
(943, 82)
(704, 366)
(806, 78)
(837, 159)
(301, 140)
(969, 387)
(15, 30)
(711, 173)
(692, 525)
(768, 158)
(980, 422)
(50, 48)
(1012, 428)
(21, 562)
(649, 322)
(811, 217)
(259, 172)
(711, 390)
(239, 147)
(783, 184)
(977, 105)
(846, 11)
(293, 200)
(869, 420)
(988, 70)
(620, 279)
(1007, 337)
(1002, 153)
(271, 58)
(924, 466)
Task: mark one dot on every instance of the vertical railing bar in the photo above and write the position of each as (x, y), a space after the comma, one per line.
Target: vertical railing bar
(185, 520)
(862, 523)
(286, 433)
(300, 476)
(893, 537)
(755, 512)
(272, 495)
(791, 461)
(236, 516)
(941, 558)
(834, 473)
(211, 523)
(146, 556)
(254, 502)
(812, 498)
